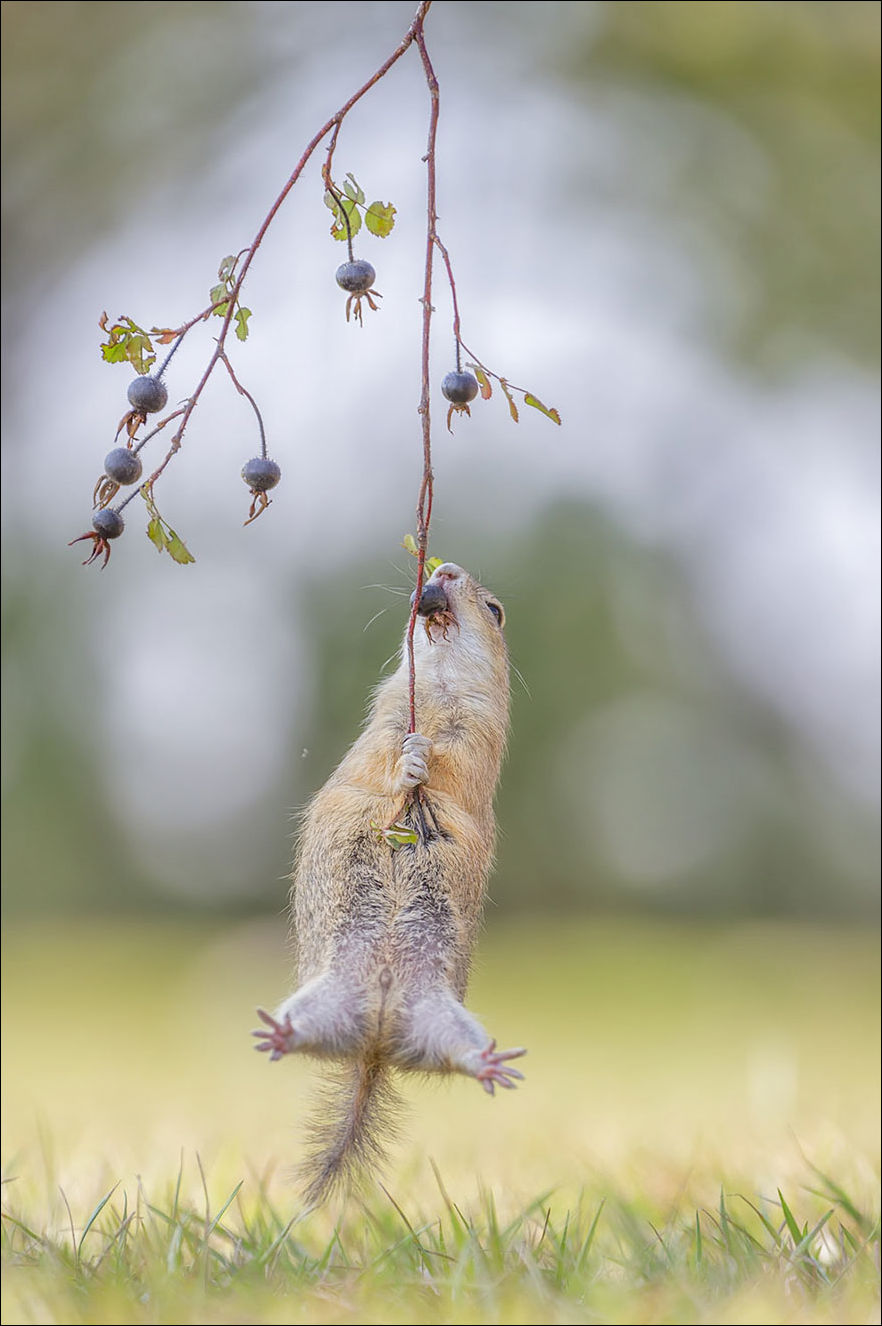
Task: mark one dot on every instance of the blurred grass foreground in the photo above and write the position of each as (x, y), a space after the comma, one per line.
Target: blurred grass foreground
(671, 1069)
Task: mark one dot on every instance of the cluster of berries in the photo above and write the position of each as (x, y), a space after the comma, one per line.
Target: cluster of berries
(148, 394)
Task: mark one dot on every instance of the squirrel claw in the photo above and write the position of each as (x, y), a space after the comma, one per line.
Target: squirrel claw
(494, 1071)
(278, 1040)
(414, 764)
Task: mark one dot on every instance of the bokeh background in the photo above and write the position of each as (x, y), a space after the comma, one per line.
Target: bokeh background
(663, 220)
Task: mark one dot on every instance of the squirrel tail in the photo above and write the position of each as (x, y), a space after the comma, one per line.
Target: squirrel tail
(349, 1129)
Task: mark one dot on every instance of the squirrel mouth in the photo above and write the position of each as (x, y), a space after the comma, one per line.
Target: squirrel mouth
(434, 608)
(433, 600)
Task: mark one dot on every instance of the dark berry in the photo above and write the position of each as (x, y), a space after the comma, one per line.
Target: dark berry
(261, 474)
(432, 600)
(147, 394)
(356, 278)
(108, 523)
(122, 465)
(460, 388)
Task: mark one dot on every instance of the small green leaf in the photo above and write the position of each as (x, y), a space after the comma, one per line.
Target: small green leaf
(409, 544)
(156, 534)
(352, 189)
(379, 219)
(139, 352)
(530, 399)
(432, 564)
(177, 549)
(241, 320)
(225, 271)
(483, 381)
(338, 229)
(127, 342)
(399, 835)
(217, 293)
(114, 352)
(512, 408)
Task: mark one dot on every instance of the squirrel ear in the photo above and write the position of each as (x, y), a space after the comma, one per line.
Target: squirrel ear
(498, 612)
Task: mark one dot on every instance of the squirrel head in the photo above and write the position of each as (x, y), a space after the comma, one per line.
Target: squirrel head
(463, 622)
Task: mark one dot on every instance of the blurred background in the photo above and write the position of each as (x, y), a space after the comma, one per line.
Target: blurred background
(663, 220)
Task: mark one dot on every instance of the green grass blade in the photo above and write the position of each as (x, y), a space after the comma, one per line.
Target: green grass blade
(94, 1216)
(589, 1237)
(793, 1228)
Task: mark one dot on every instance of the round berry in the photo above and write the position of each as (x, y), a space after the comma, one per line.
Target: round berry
(122, 465)
(433, 599)
(460, 388)
(261, 474)
(108, 523)
(147, 394)
(356, 278)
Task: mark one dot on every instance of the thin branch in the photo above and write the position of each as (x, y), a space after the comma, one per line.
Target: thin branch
(424, 501)
(452, 283)
(334, 191)
(243, 391)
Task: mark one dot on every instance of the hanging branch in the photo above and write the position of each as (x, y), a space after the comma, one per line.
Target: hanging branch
(424, 501)
(127, 342)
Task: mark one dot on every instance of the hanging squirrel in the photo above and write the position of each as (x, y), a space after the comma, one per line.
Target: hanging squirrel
(384, 934)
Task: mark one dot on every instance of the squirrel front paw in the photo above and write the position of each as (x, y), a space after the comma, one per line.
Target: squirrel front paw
(413, 767)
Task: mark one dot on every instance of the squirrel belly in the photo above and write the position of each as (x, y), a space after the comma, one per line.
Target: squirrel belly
(384, 935)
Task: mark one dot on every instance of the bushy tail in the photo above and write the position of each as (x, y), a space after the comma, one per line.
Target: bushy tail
(355, 1118)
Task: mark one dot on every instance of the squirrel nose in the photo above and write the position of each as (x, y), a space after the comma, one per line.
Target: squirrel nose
(447, 571)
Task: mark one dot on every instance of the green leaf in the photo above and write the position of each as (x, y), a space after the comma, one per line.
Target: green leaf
(156, 534)
(409, 544)
(160, 533)
(139, 351)
(177, 549)
(217, 293)
(352, 189)
(114, 352)
(127, 342)
(432, 564)
(241, 320)
(512, 408)
(338, 229)
(530, 399)
(379, 219)
(399, 835)
(225, 271)
(483, 381)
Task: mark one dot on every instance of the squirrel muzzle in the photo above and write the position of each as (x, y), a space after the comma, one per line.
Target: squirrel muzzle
(433, 600)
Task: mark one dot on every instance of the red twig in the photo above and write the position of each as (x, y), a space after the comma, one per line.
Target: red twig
(456, 324)
(243, 391)
(424, 501)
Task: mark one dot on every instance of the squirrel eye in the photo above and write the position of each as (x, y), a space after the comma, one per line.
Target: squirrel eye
(496, 609)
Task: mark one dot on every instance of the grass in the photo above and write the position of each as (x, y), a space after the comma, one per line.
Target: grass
(148, 1259)
(697, 1140)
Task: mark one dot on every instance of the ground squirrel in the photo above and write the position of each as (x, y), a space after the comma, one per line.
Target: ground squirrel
(384, 935)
